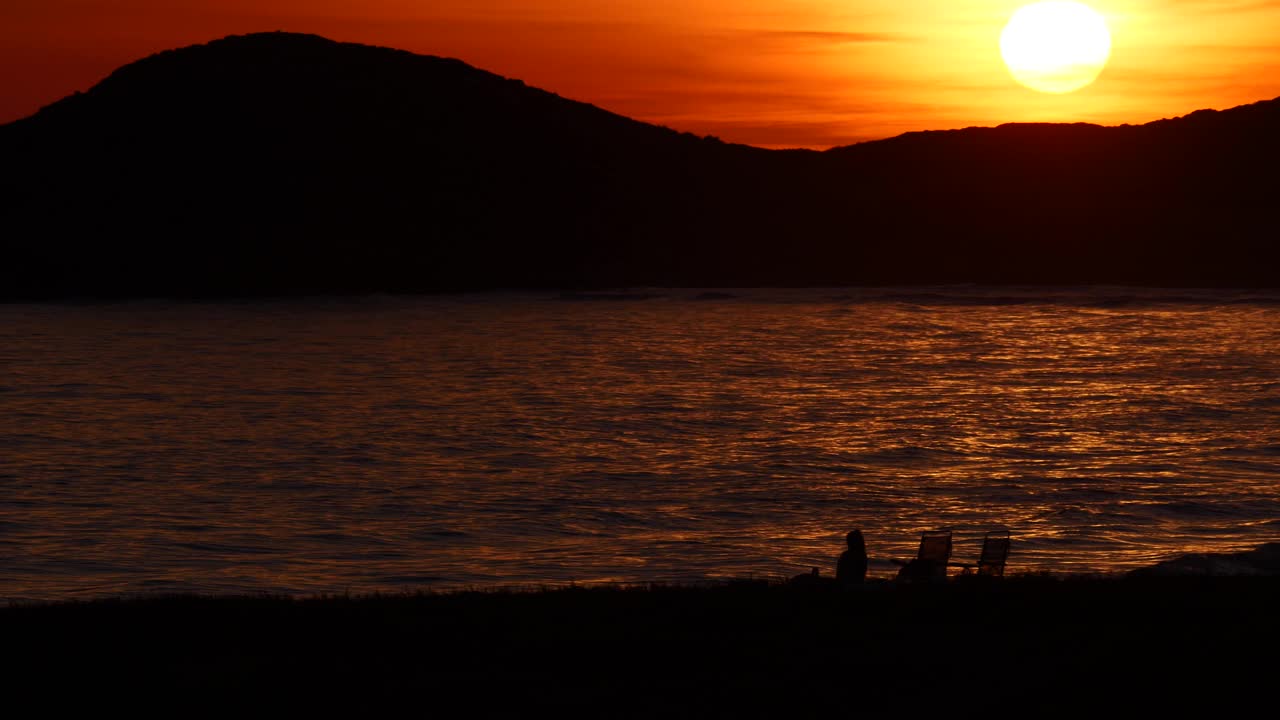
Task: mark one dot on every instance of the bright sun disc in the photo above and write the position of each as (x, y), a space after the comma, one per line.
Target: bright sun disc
(1055, 47)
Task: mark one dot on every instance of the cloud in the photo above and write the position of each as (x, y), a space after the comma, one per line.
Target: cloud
(830, 37)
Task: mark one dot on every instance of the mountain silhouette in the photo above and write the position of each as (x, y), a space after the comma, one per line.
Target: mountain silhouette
(285, 164)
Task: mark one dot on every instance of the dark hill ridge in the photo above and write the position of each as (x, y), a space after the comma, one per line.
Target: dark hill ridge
(280, 164)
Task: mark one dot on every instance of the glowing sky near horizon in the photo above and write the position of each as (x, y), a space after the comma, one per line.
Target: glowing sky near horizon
(775, 73)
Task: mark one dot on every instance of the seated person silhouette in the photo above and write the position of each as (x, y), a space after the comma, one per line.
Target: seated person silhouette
(851, 570)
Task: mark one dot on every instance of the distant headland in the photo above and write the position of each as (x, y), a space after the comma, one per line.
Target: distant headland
(285, 164)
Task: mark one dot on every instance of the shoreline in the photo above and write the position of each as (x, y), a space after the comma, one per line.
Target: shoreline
(1258, 562)
(777, 582)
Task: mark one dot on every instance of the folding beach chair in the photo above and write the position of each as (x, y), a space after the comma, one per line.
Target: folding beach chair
(931, 559)
(995, 551)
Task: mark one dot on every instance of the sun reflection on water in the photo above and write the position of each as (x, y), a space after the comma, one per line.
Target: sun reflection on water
(390, 444)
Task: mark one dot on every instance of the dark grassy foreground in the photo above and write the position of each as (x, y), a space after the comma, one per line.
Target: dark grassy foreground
(1031, 647)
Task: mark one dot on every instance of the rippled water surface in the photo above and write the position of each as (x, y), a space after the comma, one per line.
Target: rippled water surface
(389, 444)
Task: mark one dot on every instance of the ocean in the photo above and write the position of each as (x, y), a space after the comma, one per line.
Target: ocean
(387, 444)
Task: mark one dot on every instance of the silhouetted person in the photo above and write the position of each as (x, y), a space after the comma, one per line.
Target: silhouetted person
(852, 568)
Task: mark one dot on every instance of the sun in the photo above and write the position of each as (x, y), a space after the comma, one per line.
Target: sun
(1056, 47)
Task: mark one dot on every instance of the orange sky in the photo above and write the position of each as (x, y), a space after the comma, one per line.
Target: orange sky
(776, 73)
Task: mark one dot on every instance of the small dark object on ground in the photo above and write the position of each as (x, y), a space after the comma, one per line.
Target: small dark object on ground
(812, 580)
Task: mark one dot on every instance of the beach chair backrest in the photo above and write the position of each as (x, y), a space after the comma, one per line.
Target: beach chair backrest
(995, 552)
(935, 546)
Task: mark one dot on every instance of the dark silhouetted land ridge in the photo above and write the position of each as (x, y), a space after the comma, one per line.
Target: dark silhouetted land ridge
(279, 164)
